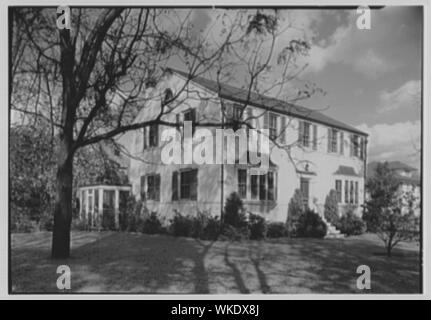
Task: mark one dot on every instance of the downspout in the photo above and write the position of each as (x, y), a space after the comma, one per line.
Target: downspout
(365, 170)
(222, 165)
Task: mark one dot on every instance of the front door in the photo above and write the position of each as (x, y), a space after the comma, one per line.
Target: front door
(305, 190)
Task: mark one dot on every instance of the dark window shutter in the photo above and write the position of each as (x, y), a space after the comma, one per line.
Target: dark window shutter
(341, 142)
(194, 185)
(175, 185)
(144, 137)
(329, 139)
(142, 188)
(300, 132)
(283, 130)
(314, 137)
(157, 187)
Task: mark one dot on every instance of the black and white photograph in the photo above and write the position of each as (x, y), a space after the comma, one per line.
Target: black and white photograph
(215, 150)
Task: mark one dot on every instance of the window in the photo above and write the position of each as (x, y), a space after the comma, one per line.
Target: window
(175, 186)
(338, 187)
(168, 96)
(237, 112)
(354, 145)
(143, 188)
(254, 186)
(188, 184)
(314, 137)
(263, 187)
(305, 191)
(356, 193)
(351, 192)
(346, 191)
(190, 115)
(304, 133)
(273, 132)
(153, 135)
(242, 183)
(153, 187)
(332, 140)
(283, 130)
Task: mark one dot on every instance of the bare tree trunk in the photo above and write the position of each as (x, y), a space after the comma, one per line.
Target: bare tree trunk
(63, 198)
(63, 210)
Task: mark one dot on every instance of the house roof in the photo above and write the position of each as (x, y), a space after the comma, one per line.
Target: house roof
(229, 92)
(346, 171)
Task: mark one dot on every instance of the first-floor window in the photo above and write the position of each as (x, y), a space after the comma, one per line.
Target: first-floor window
(305, 191)
(153, 187)
(338, 190)
(351, 191)
(346, 191)
(242, 183)
(189, 184)
(263, 187)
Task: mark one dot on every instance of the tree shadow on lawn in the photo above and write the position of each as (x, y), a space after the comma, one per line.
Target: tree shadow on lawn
(332, 264)
(116, 262)
(137, 263)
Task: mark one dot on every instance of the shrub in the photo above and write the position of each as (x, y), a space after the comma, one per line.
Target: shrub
(257, 227)
(276, 230)
(108, 220)
(331, 207)
(181, 226)
(151, 224)
(350, 224)
(231, 233)
(311, 225)
(234, 213)
(294, 212)
(212, 229)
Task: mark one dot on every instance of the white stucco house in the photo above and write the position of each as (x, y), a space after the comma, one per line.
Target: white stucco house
(312, 152)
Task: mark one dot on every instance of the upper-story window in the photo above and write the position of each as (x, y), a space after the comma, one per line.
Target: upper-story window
(273, 130)
(332, 140)
(154, 135)
(168, 96)
(357, 146)
(151, 136)
(304, 133)
(190, 115)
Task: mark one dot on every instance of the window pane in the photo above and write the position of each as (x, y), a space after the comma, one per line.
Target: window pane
(338, 189)
(271, 188)
(262, 187)
(306, 134)
(143, 188)
(254, 186)
(242, 183)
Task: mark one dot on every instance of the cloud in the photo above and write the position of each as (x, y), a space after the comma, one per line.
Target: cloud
(406, 96)
(372, 65)
(397, 141)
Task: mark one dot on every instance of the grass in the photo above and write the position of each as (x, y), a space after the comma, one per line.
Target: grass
(137, 263)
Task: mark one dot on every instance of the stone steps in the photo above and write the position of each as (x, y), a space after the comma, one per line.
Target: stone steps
(332, 232)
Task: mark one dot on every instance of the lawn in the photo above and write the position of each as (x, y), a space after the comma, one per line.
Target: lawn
(137, 263)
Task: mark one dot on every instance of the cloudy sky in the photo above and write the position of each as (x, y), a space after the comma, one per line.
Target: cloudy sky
(372, 77)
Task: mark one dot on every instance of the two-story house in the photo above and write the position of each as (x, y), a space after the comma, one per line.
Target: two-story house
(309, 151)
